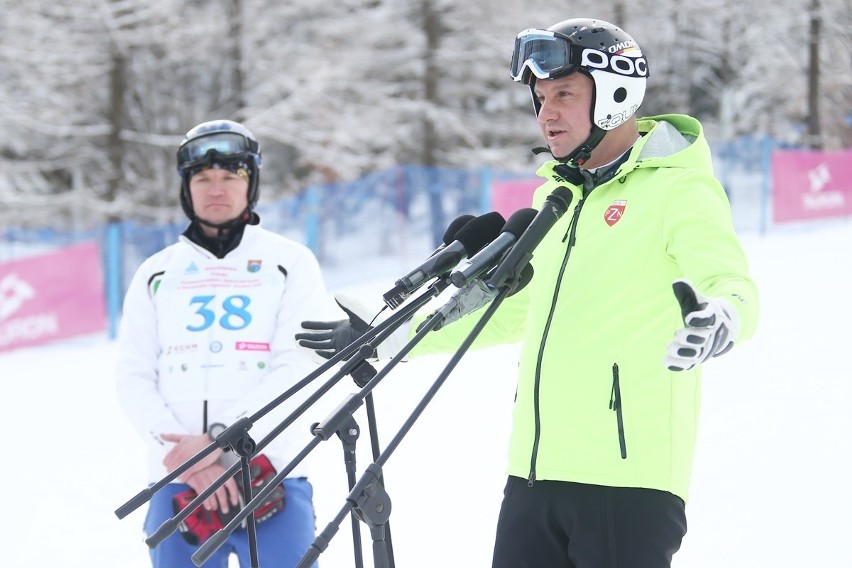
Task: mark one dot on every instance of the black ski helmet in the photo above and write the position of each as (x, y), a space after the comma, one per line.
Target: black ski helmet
(222, 142)
(605, 53)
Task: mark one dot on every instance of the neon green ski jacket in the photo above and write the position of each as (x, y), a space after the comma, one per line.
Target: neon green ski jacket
(594, 402)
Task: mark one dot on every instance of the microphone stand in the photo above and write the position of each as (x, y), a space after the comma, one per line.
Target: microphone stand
(361, 374)
(323, 431)
(348, 435)
(368, 498)
(236, 436)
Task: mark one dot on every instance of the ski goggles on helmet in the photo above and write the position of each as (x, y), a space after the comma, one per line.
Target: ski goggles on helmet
(216, 147)
(543, 54)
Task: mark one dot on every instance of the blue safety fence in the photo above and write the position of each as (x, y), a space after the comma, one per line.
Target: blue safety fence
(357, 227)
(393, 214)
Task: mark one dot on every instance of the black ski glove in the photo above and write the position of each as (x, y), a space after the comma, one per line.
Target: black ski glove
(328, 338)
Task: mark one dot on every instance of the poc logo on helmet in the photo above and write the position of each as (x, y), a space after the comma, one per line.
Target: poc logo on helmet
(623, 65)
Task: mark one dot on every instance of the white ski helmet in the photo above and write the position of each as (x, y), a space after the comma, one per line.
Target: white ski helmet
(603, 52)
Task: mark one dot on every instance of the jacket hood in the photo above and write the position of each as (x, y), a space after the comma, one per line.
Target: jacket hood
(673, 140)
(667, 141)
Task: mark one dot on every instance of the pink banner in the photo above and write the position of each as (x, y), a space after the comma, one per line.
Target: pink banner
(509, 196)
(808, 184)
(51, 296)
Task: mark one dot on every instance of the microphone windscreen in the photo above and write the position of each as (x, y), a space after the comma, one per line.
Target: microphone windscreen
(519, 221)
(561, 197)
(480, 231)
(455, 226)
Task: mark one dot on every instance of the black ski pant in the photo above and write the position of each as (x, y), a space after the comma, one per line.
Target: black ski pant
(558, 524)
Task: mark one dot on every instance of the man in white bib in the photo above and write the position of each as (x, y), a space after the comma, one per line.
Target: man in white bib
(205, 339)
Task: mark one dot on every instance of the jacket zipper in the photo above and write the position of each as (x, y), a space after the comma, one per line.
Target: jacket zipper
(570, 235)
(615, 405)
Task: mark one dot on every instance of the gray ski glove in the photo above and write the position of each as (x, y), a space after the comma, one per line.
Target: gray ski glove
(711, 327)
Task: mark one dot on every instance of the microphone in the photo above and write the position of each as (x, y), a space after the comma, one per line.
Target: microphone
(490, 255)
(551, 210)
(474, 235)
(450, 233)
(471, 297)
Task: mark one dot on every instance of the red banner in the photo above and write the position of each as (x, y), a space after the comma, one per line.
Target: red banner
(808, 184)
(509, 196)
(52, 296)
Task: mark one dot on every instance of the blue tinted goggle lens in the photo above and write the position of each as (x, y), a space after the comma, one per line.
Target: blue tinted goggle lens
(225, 144)
(542, 53)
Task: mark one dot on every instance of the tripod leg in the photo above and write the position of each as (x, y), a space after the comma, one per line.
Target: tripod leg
(374, 440)
(348, 434)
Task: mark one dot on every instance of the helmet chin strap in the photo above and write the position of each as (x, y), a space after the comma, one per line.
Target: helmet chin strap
(583, 152)
(569, 168)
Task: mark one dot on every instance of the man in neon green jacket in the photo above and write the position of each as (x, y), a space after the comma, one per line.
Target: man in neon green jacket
(640, 281)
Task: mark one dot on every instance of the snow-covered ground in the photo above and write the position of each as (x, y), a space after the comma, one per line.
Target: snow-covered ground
(771, 485)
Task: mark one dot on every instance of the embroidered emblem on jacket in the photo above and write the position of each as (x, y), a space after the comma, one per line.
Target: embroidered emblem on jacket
(615, 212)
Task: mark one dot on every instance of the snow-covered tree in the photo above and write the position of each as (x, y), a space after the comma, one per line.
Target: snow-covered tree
(96, 94)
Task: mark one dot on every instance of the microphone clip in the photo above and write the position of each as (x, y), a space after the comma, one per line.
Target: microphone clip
(397, 295)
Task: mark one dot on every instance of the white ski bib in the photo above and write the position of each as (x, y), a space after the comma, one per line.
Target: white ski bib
(216, 318)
